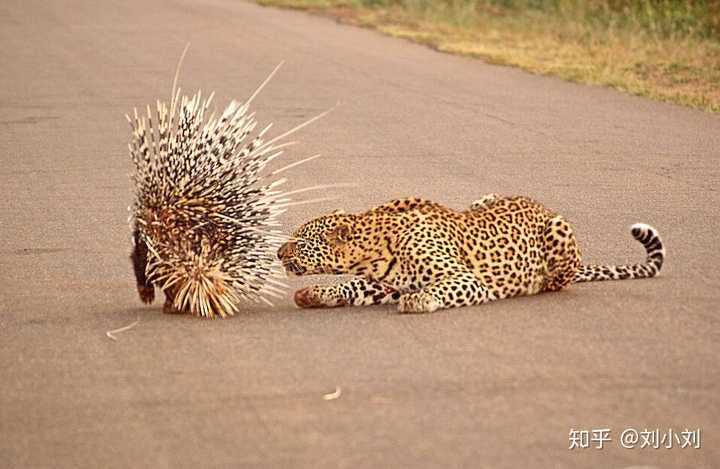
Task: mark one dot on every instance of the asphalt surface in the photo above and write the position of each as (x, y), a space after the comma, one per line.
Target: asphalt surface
(497, 386)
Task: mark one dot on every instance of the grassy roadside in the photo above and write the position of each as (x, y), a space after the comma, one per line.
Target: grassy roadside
(662, 49)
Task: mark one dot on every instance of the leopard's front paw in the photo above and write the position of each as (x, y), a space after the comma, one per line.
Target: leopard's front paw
(146, 294)
(314, 297)
(419, 302)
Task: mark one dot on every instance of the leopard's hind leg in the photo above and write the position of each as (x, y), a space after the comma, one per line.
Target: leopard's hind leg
(562, 255)
(459, 288)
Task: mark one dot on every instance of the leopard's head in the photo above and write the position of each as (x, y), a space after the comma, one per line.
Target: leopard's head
(321, 246)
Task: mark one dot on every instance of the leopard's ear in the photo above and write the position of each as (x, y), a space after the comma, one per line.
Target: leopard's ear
(339, 212)
(340, 234)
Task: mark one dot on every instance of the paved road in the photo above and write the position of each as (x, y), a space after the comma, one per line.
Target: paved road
(498, 386)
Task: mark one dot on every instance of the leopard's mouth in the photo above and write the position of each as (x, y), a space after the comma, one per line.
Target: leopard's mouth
(292, 268)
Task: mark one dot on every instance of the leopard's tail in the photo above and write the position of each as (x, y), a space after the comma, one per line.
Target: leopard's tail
(650, 239)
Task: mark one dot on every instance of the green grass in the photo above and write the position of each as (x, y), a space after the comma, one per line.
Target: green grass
(662, 49)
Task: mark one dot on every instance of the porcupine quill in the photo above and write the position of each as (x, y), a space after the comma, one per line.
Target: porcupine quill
(204, 217)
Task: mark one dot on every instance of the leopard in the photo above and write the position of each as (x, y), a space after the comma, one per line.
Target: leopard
(424, 256)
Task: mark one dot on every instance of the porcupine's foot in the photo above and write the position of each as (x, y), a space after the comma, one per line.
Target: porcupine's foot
(146, 294)
(168, 307)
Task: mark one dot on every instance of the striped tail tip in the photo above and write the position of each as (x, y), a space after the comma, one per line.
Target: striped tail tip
(655, 256)
(650, 239)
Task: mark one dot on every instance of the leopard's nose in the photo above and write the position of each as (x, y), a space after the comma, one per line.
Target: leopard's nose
(286, 250)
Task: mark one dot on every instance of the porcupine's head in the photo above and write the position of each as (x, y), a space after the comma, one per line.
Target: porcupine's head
(325, 245)
(188, 261)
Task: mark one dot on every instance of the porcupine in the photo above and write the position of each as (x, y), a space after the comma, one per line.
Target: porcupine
(203, 217)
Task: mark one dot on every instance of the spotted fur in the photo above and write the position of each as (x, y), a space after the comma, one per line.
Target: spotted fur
(425, 256)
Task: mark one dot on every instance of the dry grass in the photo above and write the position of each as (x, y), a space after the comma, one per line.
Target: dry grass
(647, 53)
